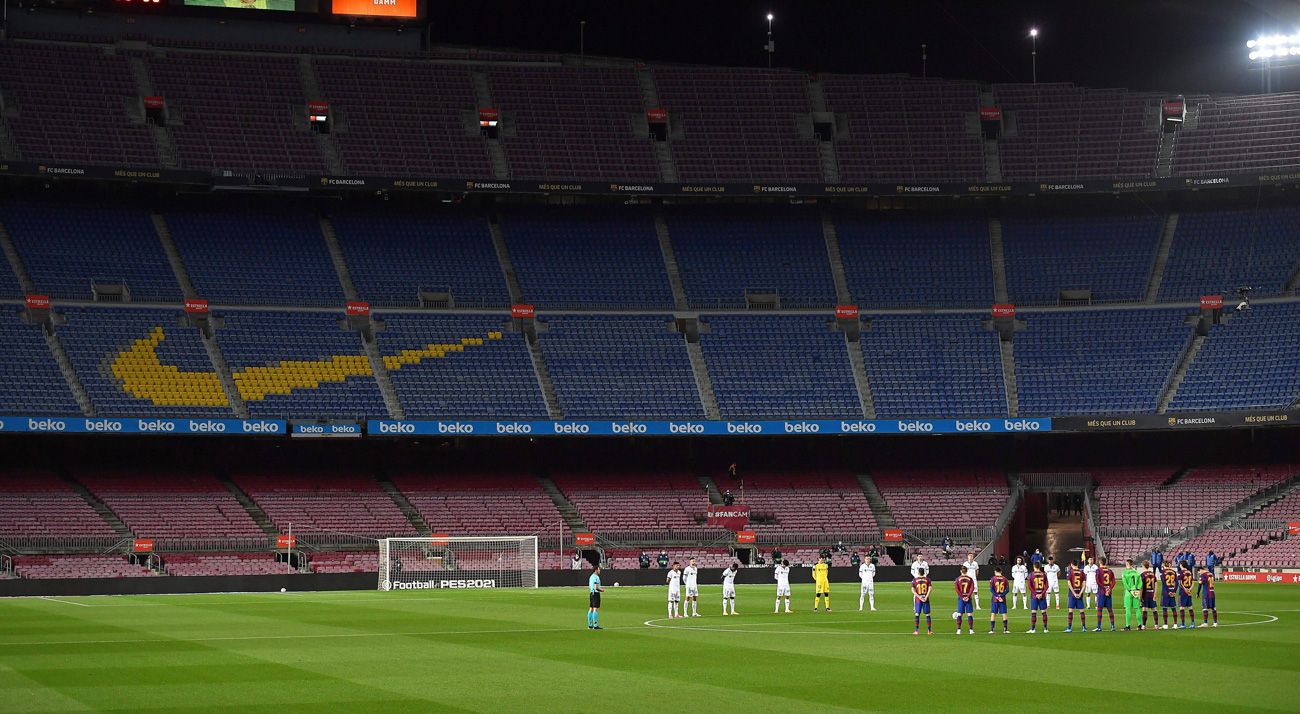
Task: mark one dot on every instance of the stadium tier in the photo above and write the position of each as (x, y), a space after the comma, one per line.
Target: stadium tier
(934, 364)
(571, 123)
(1108, 255)
(168, 505)
(943, 498)
(1273, 554)
(773, 367)
(459, 366)
(576, 257)
(344, 562)
(1121, 548)
(1188, 501)
(225, 564)
(76, 251)
(77, 566)
(1235, 134)
(441, 253)
(636, 501)
(1246, 362)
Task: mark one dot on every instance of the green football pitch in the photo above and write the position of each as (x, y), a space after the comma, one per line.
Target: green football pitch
(530, 650)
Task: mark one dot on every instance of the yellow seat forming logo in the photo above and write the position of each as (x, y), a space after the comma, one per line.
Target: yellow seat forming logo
(143, 375)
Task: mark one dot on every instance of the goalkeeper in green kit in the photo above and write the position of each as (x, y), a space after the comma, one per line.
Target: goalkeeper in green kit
(1132, 581)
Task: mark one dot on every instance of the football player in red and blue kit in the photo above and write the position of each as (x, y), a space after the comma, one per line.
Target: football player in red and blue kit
(965, 586)
(1000, 587)
(1206, 589)
(1075, 581)
(1169, 594)
(1150, 583)
(1037, 598)
(1105, 589)
(921, 587)
(1186, 583)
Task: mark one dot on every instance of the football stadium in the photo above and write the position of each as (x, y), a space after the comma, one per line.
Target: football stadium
(934, 356)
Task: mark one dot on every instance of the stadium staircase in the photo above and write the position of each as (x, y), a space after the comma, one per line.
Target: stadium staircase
(1176, 476)
(250, 506)
(1293, 282)
(324, 142)
(663, 150)
(404, 505)
(860, 378)
(992, 161)
(998, 253)
(8, 151)
(670, 263)
(703, 383)
(173, 255)
(715, 496)
(222, 368)
(1015, 495)
(1165, 154)
(162, 138)
(826, 157)
(336, 257)
(1180, 372)
(496, 152)
(879, 507)
(16, 261)
(566, 508)
(1008, 352)
(99, 506)
(544, 380)
(503, 258)
(1236, 512)
(69, 373)
(837, 263)
(1162, 256)
(392, 402)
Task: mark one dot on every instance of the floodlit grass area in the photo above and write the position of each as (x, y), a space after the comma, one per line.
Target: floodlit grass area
(530, 650)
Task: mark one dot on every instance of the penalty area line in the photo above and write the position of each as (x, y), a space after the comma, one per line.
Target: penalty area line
(65, 602)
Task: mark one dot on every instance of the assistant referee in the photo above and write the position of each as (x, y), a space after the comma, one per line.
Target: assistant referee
(593, 602)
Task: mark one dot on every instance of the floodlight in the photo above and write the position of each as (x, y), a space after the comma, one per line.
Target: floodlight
(1033, 32)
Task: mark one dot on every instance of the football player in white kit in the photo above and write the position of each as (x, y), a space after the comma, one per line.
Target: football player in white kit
(782, 574)
(674, 589)
(690, 578)
(1053, 580)
(729, 588)
(919, 566)
(1019, 579)
(972, 568)
(1090, 589)
(867, 572)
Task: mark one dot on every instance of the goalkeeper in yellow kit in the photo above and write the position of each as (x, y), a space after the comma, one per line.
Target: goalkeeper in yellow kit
(822, 580)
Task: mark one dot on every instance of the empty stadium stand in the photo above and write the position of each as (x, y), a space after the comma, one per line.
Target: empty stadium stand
(1216, 251)
(946, 259)
(481, 503)
(38, 503)
(1247, 362)
(779, 367)
(171, 504)
(77, 566)
(1097, 362)
(952, 498)
(437, 375)
(635, 501)
(586, 257)
(32, 383)
(70, 248)
(931, 365)
(345, 562)
(611, 367)
(1109, 254)
(323, 501)
(793, 503)
(1241, 134)
(189, 564)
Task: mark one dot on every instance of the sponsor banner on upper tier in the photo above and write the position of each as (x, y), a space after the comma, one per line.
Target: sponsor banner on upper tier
(606, 187)
(83, 425)
(1140, 422)
(324, 429)
(707, 428)
(1233, 576)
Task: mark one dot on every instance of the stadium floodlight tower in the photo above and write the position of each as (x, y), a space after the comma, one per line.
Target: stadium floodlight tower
(1033, 53)
(1269, 51)
(770, 47)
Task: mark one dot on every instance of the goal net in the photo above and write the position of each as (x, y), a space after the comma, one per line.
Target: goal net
(437, 562)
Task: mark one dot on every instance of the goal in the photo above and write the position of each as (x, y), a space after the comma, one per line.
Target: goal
(439, 561)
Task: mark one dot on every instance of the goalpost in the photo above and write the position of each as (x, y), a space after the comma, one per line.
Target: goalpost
(440, 561)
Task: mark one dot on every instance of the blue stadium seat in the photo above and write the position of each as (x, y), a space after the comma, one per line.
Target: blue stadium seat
(251, 257)
(1251, 361)
(934, 366)
(494, 380)
(1097, 362)
(779, 367)
(1111, 254)
(569, 257)
(393, 255)
(1215, 252)
(68, 246)
(722, 253)
(614, 367)
(915, 260)
(31, 382)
